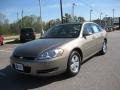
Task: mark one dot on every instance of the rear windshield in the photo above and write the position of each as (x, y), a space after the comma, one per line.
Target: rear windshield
(26, 30)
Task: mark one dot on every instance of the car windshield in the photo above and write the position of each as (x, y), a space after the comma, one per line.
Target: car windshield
(63, 31)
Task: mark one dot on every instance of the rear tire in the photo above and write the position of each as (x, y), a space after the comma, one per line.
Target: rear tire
(74, 63)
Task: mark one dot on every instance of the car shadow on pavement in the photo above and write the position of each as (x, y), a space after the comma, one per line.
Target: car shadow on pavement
(10, 80)
(16, 41)
(96, 55)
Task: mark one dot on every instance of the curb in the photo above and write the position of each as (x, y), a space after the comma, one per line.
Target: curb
(6, 41)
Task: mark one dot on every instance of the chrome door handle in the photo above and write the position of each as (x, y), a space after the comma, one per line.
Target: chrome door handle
(94, 37)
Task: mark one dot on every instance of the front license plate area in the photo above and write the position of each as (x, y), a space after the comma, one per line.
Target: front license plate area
(19, 66)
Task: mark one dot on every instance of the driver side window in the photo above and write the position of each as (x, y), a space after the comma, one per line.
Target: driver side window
(87, 30)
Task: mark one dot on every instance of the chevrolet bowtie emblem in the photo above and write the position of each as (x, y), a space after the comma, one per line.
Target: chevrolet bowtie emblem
(21, 57)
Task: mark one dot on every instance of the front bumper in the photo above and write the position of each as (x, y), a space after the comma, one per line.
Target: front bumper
(49, 67)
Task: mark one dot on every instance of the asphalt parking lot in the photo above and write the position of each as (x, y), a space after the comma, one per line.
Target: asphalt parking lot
(98, 73)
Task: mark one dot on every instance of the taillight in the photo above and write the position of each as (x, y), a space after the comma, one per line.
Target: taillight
(34, 34)
(1, 38)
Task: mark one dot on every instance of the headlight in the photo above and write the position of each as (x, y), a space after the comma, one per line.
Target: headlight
(50, 54)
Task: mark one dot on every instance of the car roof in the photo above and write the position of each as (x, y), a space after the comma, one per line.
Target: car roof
(78, 23)
(27, 28)
(69, 23)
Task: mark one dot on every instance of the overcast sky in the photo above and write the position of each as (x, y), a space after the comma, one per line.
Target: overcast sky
(51, 8)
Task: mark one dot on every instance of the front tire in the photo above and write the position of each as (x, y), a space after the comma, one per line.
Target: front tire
(74, 63)
(1, 44)
(104, 48)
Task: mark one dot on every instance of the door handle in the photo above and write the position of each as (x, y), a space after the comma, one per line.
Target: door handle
(94, 37)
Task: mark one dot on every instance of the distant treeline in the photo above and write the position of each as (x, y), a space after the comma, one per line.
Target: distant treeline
(32, 21)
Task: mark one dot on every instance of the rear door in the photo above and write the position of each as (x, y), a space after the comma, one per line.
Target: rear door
(88, 41)
(97, 37)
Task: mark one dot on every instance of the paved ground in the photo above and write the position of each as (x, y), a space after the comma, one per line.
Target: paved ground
(98, 73)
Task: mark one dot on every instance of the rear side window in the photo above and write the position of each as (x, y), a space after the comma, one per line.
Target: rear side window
(95, 28)
(100, 28)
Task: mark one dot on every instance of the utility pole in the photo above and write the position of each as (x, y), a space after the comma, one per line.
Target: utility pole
(91, 14)
(17, 21)
(106, 20)
(17, 16)
(22, 22)
(41, 18)
(101, 17)
(73, 7)
(61, 11)
(113, 17)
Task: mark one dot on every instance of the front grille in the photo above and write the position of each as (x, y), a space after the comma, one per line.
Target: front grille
(47, 71)
(27, 69)
(25, 58)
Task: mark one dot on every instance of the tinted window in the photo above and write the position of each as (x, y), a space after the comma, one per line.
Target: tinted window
(100, 28)
(63, 31)
(95, 28)
(88, 28)
(26, 30)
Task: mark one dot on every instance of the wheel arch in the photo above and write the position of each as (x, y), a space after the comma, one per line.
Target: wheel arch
(79, 51)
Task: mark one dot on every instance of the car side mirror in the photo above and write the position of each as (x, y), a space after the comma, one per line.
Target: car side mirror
(87, 33)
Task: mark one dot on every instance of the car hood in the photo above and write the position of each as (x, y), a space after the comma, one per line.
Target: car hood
(33, 48)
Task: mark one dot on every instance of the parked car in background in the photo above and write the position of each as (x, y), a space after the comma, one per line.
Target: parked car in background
(116, 27)
(1, 40)
(27, 34)
(109, 28)
(61, 49)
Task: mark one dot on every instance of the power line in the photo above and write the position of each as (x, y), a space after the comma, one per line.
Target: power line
(91, 7)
